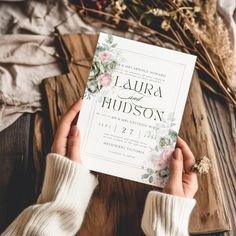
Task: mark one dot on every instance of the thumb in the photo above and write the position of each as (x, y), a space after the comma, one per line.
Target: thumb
(73, 144)
(176, 171)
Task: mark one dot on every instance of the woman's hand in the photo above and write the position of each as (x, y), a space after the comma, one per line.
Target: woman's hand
(182, 181)
(67, 138)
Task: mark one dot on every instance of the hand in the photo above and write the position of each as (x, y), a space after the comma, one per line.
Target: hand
(182, 181)
(67, 138)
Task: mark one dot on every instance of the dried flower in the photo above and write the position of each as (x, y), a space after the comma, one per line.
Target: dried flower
(218, 44)
(178, 2)
(158, 12)
(196, 27)
(202, 166)
(165, 25)
(118, 7)
(197, 9)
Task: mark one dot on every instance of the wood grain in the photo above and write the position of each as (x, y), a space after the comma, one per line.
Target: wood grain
(222, 119)
(16, 170)
(117, 204)
(42, 141)
(210, 214)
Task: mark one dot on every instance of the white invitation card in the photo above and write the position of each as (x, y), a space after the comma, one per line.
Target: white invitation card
(132, 109)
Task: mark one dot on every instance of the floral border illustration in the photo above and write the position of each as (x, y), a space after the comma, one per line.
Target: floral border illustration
(157, 170)
(104, 63)
(157, 165)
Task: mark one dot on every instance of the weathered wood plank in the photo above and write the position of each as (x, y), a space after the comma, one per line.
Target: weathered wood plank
(16, 170)
(221, 117)
(42, 141)
(117, 205)
(210, 214)
(62, 91)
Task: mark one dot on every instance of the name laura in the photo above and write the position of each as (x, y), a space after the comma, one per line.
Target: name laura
(139, 88)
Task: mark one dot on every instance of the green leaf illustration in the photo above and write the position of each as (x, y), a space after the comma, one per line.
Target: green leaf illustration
(150, 179)
(150, 171)
(114, 45)
(110, 39)
(99, 48)
(92, 86)
(106, 46)
(164, 173)
(173, 135)
(145, 176)
(111, 66)
(164, 141)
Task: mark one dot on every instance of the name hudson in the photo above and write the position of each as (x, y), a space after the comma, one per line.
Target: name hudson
(126, 104)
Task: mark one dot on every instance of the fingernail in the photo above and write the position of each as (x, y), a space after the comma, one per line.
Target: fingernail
(74, 131)
(176, 154)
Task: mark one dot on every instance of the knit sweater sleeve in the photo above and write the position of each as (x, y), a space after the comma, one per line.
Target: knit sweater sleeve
(166, 214)
(61, 206)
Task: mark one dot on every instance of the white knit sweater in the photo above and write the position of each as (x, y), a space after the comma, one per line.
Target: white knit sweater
(65, 196)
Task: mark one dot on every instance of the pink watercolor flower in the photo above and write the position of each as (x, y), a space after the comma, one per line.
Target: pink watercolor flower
(164, 160)
(159, 164)
(104, 79)
(167, 153)
(104, 56)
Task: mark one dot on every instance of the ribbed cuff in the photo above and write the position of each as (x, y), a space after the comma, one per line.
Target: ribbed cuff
(67, 182)
(166, 214)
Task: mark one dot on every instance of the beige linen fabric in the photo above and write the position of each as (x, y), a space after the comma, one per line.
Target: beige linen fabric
(26, 52)
(25, 60)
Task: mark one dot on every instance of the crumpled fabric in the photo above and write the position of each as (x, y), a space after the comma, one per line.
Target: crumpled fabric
(27, 52)
(39, 17)
(27, 48)
(25, 61)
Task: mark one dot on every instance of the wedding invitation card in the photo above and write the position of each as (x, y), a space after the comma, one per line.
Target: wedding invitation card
(132, 109)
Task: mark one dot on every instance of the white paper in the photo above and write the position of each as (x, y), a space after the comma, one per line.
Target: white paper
(132, 109)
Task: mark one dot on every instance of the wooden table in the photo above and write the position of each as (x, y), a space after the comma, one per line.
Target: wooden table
(209, 214)
(114, 214)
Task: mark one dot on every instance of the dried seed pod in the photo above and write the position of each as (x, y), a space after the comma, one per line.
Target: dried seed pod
(202, 166)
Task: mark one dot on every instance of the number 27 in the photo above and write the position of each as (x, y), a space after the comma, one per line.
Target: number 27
(124, 130)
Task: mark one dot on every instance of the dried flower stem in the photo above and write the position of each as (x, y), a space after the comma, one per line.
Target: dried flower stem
(226, 89)
(190, 42)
